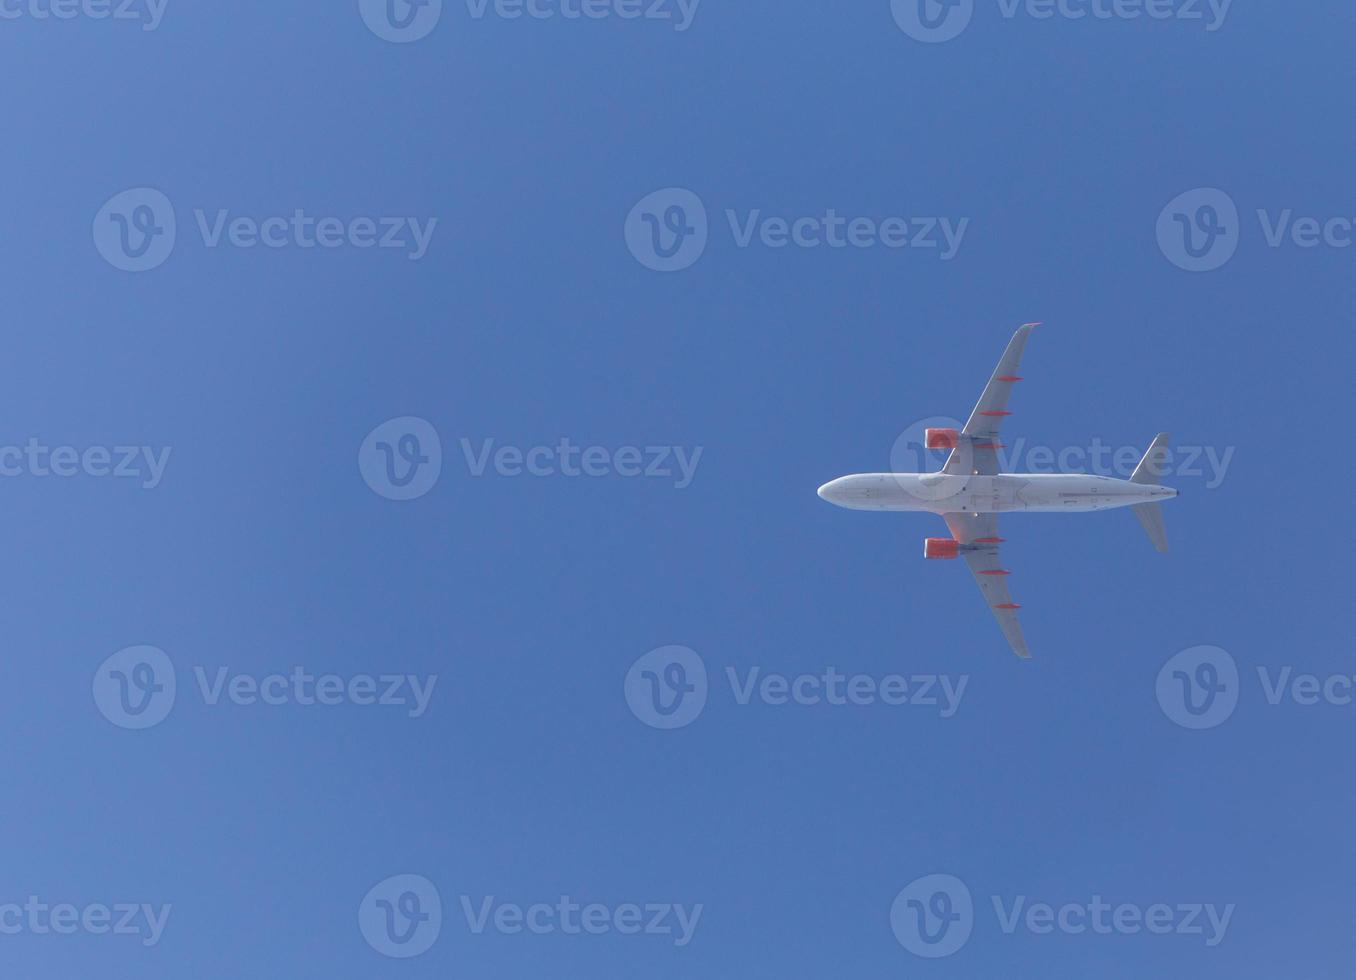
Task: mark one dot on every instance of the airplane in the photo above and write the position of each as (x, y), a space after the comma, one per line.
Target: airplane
(969, 492)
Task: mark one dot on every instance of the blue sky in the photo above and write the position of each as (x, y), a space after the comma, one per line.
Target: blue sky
(244, 391)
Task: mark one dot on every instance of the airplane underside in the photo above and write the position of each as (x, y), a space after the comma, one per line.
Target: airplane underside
(940, 493)
(970, 492)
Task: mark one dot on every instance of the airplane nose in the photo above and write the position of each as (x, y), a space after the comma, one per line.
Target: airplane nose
(825, 490)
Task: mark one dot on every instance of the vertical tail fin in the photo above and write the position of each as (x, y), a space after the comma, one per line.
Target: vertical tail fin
(1149, 470)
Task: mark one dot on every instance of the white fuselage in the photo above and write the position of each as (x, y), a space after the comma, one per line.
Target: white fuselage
(939, 493)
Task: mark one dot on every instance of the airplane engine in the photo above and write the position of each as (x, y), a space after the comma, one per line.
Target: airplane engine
(941, 438)
(941, 548)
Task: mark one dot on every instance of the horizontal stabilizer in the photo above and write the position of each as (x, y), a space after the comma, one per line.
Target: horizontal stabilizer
(1151, 517)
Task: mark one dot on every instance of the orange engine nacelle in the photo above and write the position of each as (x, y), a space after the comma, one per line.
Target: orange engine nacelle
(941, 548)
(941, 438)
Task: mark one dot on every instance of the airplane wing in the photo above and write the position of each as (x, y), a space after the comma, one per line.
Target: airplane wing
(981, 530)
(977, 453)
